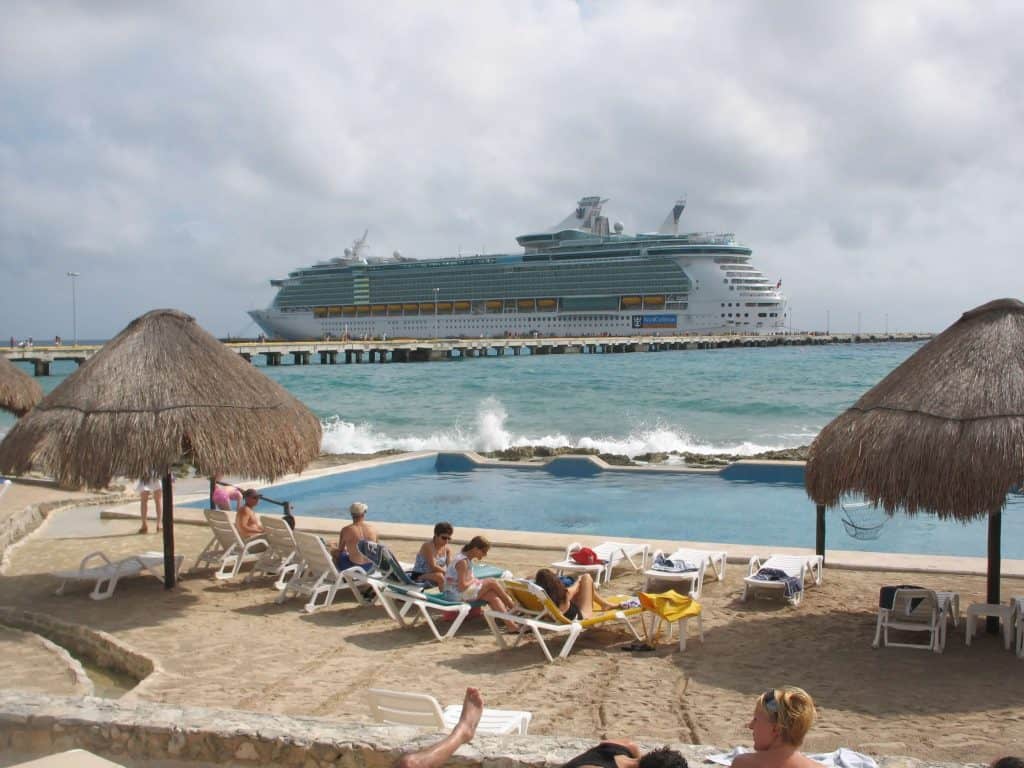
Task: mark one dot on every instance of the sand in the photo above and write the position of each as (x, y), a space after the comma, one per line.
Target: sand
(230, 645)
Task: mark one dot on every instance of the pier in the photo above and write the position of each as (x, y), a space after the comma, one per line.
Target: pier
(274, 353)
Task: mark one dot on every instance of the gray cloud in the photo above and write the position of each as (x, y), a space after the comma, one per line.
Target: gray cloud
(182, 155)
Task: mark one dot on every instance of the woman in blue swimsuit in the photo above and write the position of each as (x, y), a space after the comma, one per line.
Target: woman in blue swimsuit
(434, 557)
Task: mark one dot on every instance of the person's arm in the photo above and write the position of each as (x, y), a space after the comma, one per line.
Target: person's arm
(465, 570)
(440, 569)
(634, 750)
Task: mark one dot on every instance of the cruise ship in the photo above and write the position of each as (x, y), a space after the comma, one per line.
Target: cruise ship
(581, 277)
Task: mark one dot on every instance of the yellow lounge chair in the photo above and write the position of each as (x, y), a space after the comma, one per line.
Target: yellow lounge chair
(537, 612)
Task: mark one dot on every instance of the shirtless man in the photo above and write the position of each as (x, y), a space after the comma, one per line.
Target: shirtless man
(246, 522)
(348, 553)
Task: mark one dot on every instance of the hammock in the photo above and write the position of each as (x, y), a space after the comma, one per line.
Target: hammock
(862, 519)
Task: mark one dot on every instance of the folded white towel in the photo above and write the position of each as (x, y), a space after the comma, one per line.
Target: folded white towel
(841, 758)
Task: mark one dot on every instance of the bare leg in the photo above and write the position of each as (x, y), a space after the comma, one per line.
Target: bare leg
(143, 499)
(436, 755)
(158, 502)
(586, 595)
(491, 592)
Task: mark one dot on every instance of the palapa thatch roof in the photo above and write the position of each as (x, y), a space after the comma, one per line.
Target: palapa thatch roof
(19, 392)
(163, 389)
(944, 432)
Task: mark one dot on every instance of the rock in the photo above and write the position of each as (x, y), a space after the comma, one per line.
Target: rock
(615, 458)
(656, 457)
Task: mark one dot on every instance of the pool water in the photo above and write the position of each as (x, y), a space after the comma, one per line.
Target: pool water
(743, 505)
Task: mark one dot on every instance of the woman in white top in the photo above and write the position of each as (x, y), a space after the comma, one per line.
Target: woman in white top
(461, 585)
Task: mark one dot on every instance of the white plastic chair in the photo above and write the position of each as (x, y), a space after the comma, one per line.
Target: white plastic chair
(799, 566)
(318, 576)
(280, 559)
(702, 559)
(419, 709)
(110, 572)
(612, 553)
(227, 550)
(917, 610)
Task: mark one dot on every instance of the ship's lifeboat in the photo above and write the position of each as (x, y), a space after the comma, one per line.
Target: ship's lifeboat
(348, 310)
(363, 310)
(494, 305)
(379, 309)
(461, 306)
(427, 307)
(525, 304)
(334, 311)
(654, 302)
(319, 311)
(631, 301)
(547, 303)
(394, 309)
(444, 306)
(411, 308)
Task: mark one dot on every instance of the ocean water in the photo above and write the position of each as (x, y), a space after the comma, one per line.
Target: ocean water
(715, 401)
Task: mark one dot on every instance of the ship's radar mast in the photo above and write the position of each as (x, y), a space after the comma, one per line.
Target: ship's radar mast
(671, 224)
(586, 217)
(359, 248)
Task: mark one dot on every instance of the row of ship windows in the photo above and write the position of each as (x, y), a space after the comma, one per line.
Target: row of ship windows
(747, 314)
(752, 304)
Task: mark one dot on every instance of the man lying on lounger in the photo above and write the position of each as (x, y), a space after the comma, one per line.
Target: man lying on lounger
(607, 754)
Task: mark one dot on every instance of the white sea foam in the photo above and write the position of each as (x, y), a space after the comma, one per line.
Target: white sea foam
(489, 433)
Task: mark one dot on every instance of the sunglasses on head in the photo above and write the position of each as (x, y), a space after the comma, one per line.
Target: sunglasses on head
(769, 702)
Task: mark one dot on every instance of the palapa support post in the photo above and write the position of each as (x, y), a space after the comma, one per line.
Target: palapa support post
(995, 533)
(213, 486)
(819, 532)
(168, 491)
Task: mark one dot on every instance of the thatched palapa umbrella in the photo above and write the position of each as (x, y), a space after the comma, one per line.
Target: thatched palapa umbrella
(19, 392)
(943, 433)
(162, 391)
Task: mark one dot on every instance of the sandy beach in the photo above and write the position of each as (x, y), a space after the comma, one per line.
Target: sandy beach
(230, 645)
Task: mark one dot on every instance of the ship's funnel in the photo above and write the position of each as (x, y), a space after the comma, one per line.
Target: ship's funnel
(671, 224)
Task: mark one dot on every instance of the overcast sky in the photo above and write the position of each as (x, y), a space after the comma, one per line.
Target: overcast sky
(182, 154)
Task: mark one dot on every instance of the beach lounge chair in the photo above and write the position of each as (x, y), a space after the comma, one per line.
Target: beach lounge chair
(107, 572)
(912, 609)
(786, 575)
(227, 551)
(408, 604)
(318, 577)
(535, 611)
(611, 553)
(281, 557)
(396, 708)
(685, 565)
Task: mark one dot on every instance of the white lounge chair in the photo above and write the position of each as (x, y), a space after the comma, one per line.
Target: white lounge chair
(110, 572)
(408, 604)
(227, 550)
(611, 553)
(318, 576)
(699, 559)
(396, 708)
(280, 559)
(536, 612)
(794, 566)
(917, 610)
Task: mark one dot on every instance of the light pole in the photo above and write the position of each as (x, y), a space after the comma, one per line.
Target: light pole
(886, 323)
(828, 321)
(74, 305)
(436, 291)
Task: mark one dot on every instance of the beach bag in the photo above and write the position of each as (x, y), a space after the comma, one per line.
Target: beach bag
(586, 556)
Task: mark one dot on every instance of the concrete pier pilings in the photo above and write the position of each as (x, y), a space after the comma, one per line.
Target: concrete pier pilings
(331, 352)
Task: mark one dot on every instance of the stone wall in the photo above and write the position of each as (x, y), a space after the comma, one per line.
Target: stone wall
(141, 733)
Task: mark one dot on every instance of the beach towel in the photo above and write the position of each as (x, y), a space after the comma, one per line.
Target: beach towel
(662, 563)
(793, 584)
(841, 758)
(670, 605)
(887, 596)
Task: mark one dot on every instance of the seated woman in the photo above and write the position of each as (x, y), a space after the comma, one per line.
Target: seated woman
(782, 717)
(575, 601)
(434, 556)
(246, 521)
(461, 585)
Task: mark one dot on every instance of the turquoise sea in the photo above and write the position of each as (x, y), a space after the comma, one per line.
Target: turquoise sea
(725, 400)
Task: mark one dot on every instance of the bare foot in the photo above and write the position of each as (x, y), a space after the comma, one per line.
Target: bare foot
(472, 709)
(143, 529)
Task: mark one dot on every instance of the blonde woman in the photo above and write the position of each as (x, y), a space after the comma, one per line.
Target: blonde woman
(782, 717)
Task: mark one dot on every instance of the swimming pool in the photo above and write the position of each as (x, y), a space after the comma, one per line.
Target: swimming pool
(747, 503)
